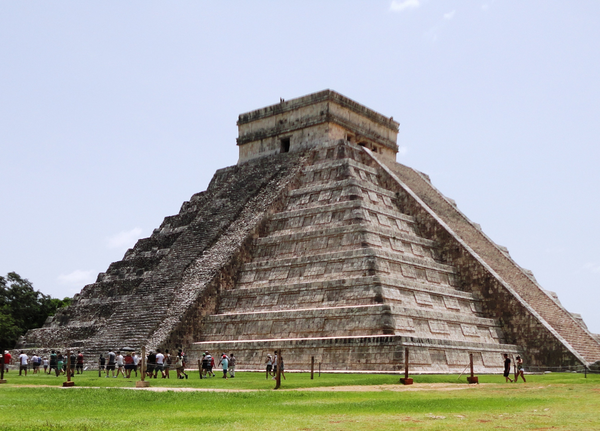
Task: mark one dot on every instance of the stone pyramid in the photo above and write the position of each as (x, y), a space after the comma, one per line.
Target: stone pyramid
(318, 243)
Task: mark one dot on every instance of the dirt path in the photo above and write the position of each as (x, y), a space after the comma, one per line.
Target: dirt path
(356, 388)
(361, 388)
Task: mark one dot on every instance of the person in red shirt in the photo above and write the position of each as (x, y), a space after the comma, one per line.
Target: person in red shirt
(79, 366)
(128, 359)
(7, 360)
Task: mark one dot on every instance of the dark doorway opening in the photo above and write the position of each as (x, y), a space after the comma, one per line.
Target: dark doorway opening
(285, 145)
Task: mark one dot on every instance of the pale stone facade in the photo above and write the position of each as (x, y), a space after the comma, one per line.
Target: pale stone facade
(314, 120)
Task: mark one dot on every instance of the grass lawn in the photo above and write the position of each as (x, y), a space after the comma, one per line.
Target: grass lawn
(553, 401)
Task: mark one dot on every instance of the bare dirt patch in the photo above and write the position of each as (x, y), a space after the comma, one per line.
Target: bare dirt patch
(393, 388)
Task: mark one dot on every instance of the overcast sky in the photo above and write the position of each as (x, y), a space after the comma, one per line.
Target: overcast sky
(113, 113)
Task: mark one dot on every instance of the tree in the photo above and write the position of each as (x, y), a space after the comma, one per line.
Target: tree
(22, 308)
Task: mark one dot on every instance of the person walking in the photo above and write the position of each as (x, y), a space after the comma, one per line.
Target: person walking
(79, 367)
(269, 363)
(278, 363)
(7, 360)
(274, 364)
(224, 362)
(507, 368)
(181, 369)
(520, 370)
(23, 362)
(73, 358)
(232, 361)
(110, 366)
(160, 362)
(35, 361)
(53, 363)
(136, 361)
(128, 360)
(102, 360)
(46, 365)
(167, 364)
(120, 364)
(150, 364)
(59, 363)
(282, 365)
(205, 364)
(179, 366)
(211, 366)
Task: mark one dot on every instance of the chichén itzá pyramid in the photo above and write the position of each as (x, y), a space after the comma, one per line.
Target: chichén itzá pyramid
(318, 243)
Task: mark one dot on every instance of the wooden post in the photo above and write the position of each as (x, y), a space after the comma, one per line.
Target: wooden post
(143, 383)
(68, 383)
(473, 378)
(200, 368)
(278, 375)
(2, 366)
(406, 380)
(319, 369)
(312, 367)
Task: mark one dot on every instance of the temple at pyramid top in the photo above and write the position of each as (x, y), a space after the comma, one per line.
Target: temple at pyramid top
(314, 120)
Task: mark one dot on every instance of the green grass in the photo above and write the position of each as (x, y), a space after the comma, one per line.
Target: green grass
(562, 401)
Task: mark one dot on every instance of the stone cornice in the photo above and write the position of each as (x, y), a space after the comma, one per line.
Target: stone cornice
(311, 99)
(326, 117)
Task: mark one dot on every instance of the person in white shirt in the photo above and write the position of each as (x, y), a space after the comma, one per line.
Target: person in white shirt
(23, 361)
(160, 364)
(35, 361)
(111, 363)
(120, 364)
(136, 361)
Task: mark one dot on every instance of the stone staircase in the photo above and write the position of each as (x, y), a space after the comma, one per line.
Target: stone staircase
(144, 298)
(341, 262)
(329, 253)
(521, 283)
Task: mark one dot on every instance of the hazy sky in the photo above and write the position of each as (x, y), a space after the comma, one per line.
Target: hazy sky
(113, 113)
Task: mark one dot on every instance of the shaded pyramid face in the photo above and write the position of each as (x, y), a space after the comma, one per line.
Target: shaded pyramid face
(339, 264)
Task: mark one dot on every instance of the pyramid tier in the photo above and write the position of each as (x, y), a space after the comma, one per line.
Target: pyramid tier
(375, 353)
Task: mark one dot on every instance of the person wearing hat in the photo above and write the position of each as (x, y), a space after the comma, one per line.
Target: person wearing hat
(7, 360)
(224, 362)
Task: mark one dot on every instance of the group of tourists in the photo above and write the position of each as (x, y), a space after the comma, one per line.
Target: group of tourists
(520, 370)
(56, 362)
(123, 365)
(162, 363)
(156, 363)
(227, 364)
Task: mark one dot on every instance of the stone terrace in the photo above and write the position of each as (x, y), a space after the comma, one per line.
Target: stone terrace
(339, 267)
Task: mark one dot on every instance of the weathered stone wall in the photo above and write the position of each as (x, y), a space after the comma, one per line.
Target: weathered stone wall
(548, 334)
(340, 262)
(146, 298)
(314, 120)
